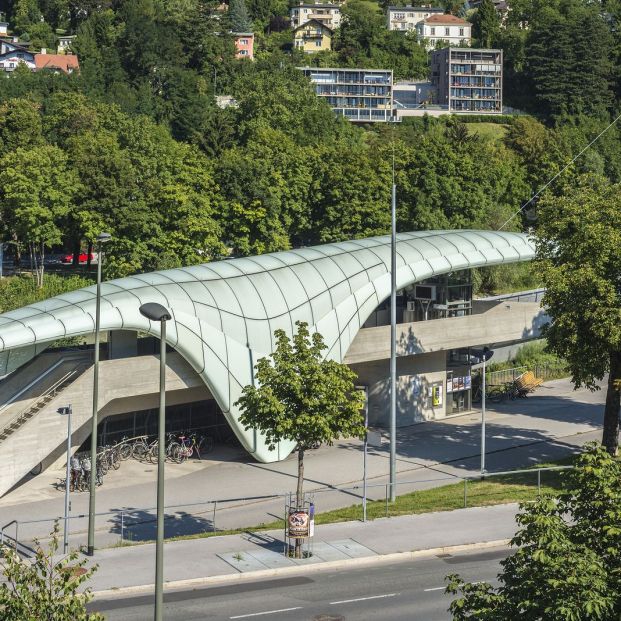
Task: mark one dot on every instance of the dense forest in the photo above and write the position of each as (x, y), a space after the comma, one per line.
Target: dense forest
(135, 144)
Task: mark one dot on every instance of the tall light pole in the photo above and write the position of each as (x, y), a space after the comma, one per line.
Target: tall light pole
(157, 312)
(483, 355)
(67, 410)
(393, 344)
(102, 238)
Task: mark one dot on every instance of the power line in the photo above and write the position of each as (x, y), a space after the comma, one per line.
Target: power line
(559, 173)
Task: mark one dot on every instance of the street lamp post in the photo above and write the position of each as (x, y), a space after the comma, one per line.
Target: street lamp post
(393, 344)
(102, 238)
(157, 312)
(483, 355)
(67, 410)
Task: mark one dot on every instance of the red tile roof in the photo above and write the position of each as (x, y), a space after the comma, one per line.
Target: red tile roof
(446, 19)
(63, 62)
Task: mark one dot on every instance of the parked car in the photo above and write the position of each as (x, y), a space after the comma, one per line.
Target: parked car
(68, 258)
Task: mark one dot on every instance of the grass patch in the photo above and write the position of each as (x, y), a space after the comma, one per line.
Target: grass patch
(479, 493)
(488, 131)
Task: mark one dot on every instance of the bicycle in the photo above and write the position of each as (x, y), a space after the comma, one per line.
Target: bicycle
(124, 448)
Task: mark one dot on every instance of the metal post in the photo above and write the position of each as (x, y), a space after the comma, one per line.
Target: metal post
(67, 481)
(161, 455)
(483, 419)
(387, 500)
(393, 343)
(539, 481)
(364, 462)
(465, 493)
(213, 522)
(90, 550)
(122, 524)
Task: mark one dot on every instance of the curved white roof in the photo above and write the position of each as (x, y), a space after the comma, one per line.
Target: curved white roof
(225, 313)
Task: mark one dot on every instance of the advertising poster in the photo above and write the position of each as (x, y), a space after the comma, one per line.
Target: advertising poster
(468, 382)
(449, 384)
(298, 523)
(455, 384)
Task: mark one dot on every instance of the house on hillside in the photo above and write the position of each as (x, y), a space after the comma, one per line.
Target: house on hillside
(312, 36)
(64, 44)
(244, 45)
(328, 14)
(405, 18)
(446, 30)
(65, 63)
(4, 29)
(12, 55)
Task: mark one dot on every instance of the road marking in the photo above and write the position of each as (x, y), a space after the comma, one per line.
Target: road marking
(362, 599)
(267, 612)
(434, 589)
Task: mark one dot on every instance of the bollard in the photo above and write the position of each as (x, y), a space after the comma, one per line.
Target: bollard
(213, 522)
(539, 481)
(465, 493)
(122, 524)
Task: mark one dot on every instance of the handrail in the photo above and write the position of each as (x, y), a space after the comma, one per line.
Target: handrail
(52, 391)
(3, 529)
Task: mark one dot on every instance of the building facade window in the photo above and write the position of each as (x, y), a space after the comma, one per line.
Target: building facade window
(461, 32)
(447, 31)
(433, 31)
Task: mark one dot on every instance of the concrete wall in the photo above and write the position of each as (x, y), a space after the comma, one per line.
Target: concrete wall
(415, 376)
(124, 385)
(503, 324)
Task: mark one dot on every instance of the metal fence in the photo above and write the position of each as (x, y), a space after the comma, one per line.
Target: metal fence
(545, 371)
(133, 525)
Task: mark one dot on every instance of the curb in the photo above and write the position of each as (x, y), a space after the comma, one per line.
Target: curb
(393, 557)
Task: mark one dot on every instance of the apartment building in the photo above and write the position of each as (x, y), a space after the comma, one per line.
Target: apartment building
(360, 95)
(468, 80)
(328, 14)
(405, 18)
(244, 45)
(444, 29)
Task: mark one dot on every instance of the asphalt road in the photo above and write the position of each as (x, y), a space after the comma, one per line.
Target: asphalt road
(412, 591)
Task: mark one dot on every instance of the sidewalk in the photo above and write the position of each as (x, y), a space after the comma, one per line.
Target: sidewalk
(193, 562)
(553, 423)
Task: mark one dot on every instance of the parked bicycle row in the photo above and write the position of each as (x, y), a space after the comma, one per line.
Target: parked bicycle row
(179, 448)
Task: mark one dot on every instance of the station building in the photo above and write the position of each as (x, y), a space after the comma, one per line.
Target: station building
(223, 319)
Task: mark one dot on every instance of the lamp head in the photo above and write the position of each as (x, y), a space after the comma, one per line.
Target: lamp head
(102, 238)
(155, 312)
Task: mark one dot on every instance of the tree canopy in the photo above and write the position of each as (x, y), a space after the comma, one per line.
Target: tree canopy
(567, 559)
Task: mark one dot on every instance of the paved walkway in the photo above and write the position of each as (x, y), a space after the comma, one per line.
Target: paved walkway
(226, 557)
(553, 423)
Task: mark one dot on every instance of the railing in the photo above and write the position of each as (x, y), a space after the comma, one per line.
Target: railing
(134, 524)
(497, 378)
(27, 413)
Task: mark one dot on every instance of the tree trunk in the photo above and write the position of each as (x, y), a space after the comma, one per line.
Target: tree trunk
(89, 250)
(610, 436)
(42, 264)
(299, 497)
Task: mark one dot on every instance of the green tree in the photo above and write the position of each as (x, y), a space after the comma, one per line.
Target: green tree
(567, 563)
(568, 55)
(578, 241)
(238, 16)
(46, 588)
(486, 24)
(36, 191)
(302, 397)
(20, 124)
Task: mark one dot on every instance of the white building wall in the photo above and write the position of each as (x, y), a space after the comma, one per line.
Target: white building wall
(452, 35)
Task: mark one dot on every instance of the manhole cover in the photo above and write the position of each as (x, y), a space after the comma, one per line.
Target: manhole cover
(329, 618)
